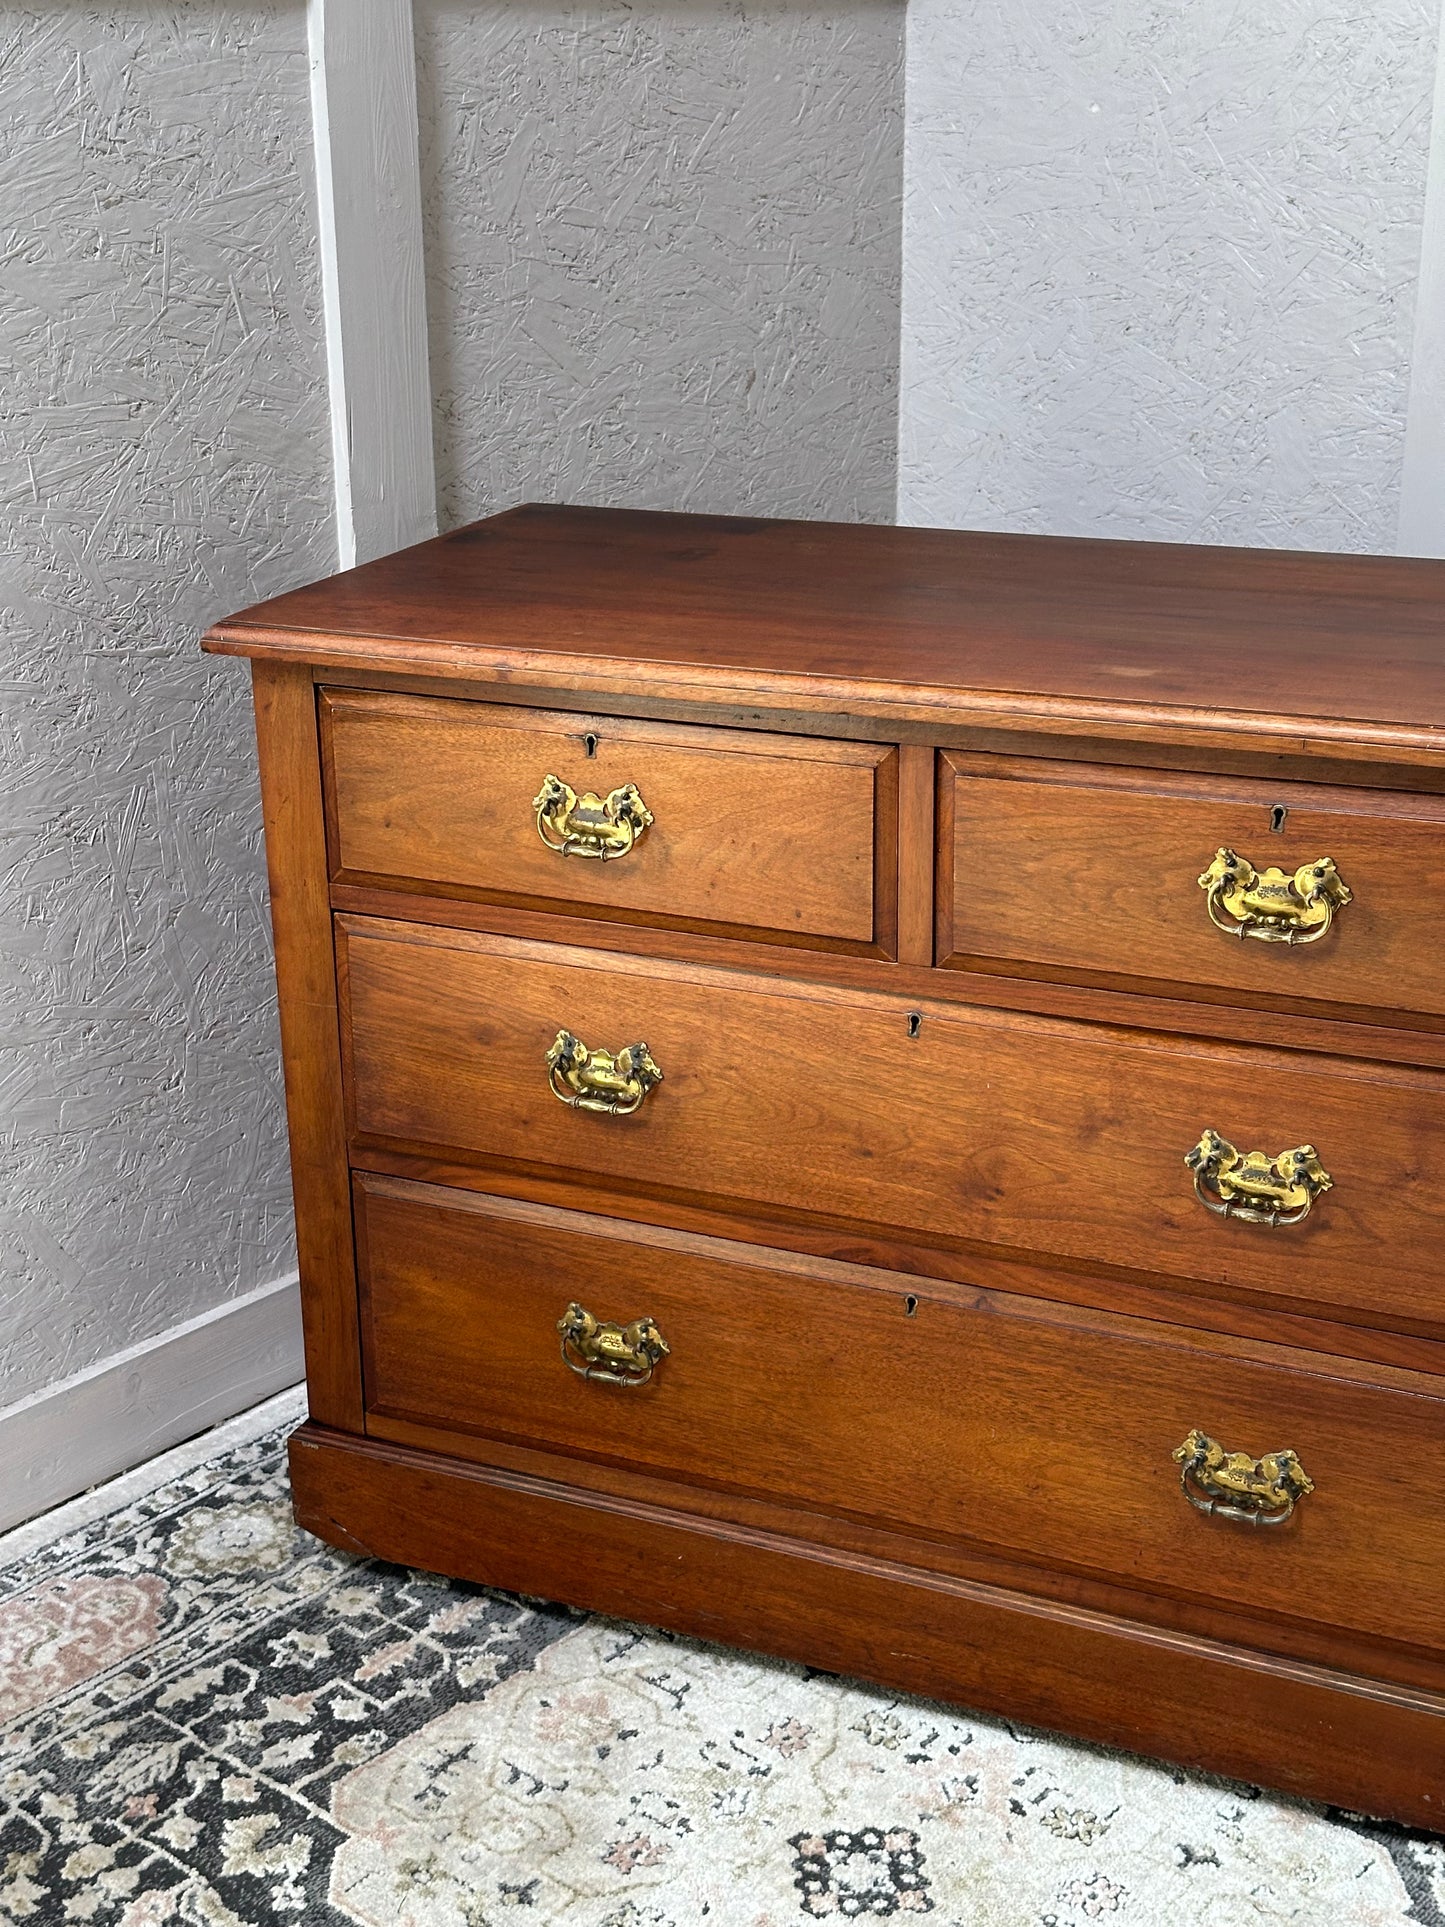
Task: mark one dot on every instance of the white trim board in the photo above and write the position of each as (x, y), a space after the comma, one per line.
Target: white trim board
(1422, 482)
(285, 1411)
(369, 226)
(69, 1437)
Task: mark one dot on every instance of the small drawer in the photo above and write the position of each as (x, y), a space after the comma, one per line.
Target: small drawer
(972, 1127)
(958, 1416)
(1075, 871)
(792, 839)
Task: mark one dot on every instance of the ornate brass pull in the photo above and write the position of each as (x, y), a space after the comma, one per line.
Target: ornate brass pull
(589, 825)
(1249, 1185)
(610, 1354)
(1231, 1485)
(1271, 905)
(600, 1080)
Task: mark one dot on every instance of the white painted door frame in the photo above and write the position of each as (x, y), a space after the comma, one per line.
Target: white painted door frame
(1422, 482)
(368, 191)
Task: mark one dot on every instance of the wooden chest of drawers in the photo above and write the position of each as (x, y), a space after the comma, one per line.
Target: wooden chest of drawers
(879, 1095)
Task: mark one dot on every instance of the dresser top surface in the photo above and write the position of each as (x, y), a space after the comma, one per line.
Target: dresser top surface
(731, 608)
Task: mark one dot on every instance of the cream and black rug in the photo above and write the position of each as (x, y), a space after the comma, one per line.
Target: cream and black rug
(208, 1717)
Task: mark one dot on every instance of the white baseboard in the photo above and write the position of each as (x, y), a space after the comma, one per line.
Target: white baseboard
(113, 1415)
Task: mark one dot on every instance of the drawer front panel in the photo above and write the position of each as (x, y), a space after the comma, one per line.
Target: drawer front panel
(987, 1126)
(991, 1419)
(1095, 871)
(781, 834)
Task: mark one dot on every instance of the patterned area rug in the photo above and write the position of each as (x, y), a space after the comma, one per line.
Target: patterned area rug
(210, 1718)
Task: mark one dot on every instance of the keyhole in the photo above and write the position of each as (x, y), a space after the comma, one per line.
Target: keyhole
(1276, 817)
(915, 1022)
(910, 1305)
(589, 743)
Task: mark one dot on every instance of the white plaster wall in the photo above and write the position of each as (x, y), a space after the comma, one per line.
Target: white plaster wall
(663, 252)
(164, 457)
(1159, 265)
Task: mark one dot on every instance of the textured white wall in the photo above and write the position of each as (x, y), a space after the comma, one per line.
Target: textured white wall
(163, 458)
(1159, 265)
(663, 252)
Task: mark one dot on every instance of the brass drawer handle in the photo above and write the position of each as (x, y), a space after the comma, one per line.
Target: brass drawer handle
(1252, 1186)
(1231, 1485)
(600, 1080)
(1270, 904)
(589, 825)
(610, 1354)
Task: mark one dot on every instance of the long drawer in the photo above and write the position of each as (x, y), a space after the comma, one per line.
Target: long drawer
(982, 1126)
(787, 837)
(1078, 870)
(891, 1399)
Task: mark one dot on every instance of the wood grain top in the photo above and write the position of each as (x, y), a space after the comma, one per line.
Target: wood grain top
(1341, 654)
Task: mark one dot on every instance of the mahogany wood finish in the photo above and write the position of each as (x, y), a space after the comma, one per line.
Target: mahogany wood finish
(1296, 761)
(985, 1126)
(1039, 867)
(1150, 1010)
(285, 708)
(1196, 1614)
(1139, 1295)
(752, 830)
(1312, 1731)
(917, 941)
(1239, 648)
(1029, 1431)
(915, 854)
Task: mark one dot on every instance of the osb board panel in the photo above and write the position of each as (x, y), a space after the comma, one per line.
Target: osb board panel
(663, 253)
(163, 458)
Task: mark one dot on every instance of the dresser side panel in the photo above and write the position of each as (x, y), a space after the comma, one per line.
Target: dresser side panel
(287, 738)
